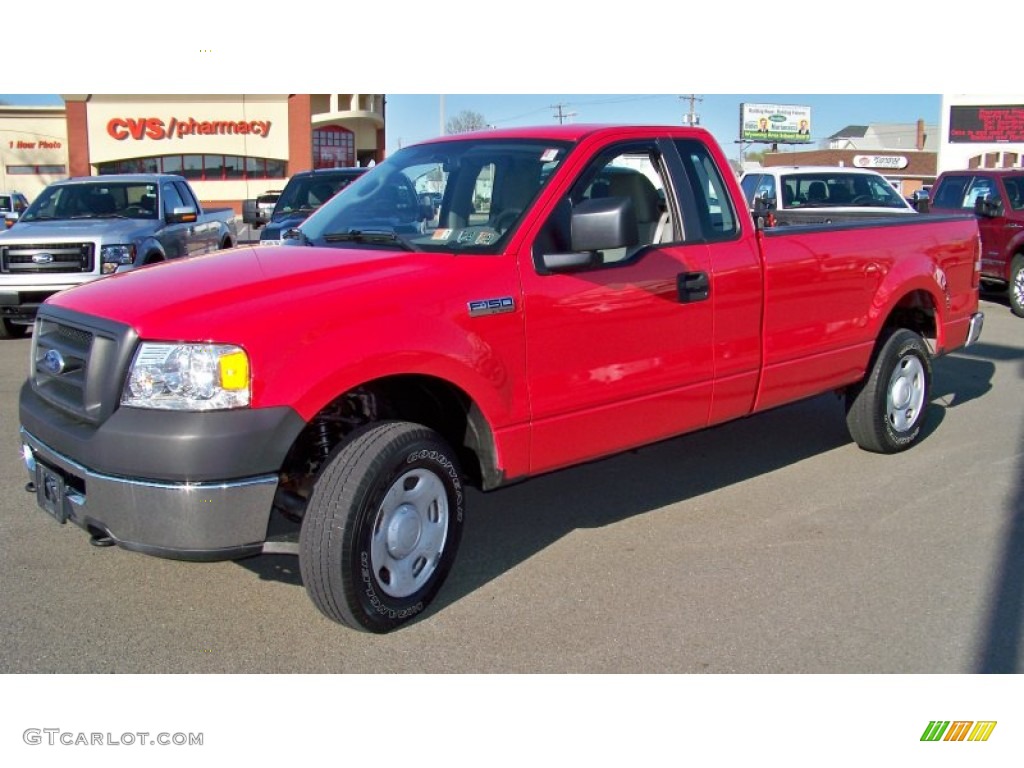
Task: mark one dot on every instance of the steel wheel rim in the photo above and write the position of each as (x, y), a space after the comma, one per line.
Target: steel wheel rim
(905, 395)
(1018, 287)
(409, 533)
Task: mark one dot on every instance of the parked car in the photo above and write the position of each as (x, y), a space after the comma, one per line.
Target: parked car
(333, 397)
(304, 193)
(12, 205)
(83, 228)
(822, 194)
(265, 204)
(997, 197)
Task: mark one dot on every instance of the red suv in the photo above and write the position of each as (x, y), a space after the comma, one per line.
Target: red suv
(997, 197)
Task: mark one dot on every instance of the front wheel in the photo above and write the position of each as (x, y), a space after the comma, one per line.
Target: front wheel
(382, 526)
(1017, 285)
(885, 412)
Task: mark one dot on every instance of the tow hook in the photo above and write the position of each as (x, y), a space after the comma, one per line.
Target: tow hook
(30, 487)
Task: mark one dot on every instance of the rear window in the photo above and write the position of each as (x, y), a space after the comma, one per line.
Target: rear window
(838, 190)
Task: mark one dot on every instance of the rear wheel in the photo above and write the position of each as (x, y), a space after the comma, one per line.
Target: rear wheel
(885, 412)
(382, 526)
(1017, 285)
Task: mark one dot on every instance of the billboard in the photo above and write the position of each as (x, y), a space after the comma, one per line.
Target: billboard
(775, 123)
(986, 124)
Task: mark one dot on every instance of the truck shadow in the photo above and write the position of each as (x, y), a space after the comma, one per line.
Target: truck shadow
(1003, 634)
(508, 526)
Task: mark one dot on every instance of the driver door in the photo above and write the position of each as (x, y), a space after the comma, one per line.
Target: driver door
(615, 358)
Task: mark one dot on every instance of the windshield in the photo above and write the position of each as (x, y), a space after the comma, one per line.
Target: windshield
(129, 200)
(831, 190)
(456, 195)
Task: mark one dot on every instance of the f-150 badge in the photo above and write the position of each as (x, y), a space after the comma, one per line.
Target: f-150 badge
(482, 307)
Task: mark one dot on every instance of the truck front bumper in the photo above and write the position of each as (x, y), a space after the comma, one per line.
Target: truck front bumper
(974, 329)
(181, 520)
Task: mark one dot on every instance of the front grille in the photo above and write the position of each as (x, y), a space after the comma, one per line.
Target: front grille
(79, 362)
(47, 258)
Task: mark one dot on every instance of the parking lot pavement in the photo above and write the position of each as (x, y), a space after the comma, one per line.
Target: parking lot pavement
(771, 544)
(247, 234)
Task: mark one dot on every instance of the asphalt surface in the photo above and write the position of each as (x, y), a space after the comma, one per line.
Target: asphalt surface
(768, 545)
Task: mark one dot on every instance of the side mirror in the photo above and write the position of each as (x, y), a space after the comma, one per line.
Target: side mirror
(988, 208)
(183, 215)
(251, 213)
(604, 223)
(922, 205)
(762, 212)
(596, 225)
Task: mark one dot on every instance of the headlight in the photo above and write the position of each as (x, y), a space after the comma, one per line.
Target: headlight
(188, 377)
(114, 256)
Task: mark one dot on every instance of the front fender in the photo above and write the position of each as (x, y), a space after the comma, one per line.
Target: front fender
(148, 251)
(485, 362)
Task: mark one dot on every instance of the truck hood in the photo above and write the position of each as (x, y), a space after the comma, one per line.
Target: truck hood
(231, 295)
(112, 230)
(281, 223)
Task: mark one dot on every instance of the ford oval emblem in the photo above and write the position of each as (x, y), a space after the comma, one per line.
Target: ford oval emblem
(42, 258)
(53, 362)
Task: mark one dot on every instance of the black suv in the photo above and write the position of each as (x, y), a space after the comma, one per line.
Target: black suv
(303, 194)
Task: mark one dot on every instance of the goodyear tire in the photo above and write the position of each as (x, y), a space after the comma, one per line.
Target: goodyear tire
(1016, 287)
(382, 526)
(885, 412)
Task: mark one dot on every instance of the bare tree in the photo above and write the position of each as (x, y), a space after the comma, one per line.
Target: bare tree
(466, 120)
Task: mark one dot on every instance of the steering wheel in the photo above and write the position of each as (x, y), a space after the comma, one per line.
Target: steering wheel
(862, 200)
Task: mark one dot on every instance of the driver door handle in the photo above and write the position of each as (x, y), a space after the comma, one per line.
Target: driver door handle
(693, 286)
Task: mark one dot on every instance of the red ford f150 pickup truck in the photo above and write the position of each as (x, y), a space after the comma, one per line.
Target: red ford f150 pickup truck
(997, 197)
(579, 291)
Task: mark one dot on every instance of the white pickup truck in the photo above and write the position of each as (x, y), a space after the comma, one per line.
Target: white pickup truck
(84, 228)
(822, 194)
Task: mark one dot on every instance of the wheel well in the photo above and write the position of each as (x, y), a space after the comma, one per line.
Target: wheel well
(153, 257)
(915, 312)
(434, 403)
(226, 243)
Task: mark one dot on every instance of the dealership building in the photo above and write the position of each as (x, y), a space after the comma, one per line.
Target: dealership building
(230, 147)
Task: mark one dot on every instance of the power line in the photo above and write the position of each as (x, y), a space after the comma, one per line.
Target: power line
(691, 118)
(560, 115)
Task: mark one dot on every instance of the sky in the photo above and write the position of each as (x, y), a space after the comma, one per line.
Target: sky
(415, 117)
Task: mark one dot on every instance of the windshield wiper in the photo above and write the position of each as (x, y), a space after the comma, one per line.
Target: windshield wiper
(370, 236)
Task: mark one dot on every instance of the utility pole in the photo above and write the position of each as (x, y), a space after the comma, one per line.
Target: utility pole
(561, 116)
(691, 118)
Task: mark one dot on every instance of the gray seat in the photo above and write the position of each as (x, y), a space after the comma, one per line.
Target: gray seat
(645, 198)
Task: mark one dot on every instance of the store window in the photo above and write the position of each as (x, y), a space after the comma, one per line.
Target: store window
(34, 170)
(334, 147)
(197, 167)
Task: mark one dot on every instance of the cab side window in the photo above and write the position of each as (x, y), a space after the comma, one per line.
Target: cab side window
(711, 199)
(636, 175)
(172, 199)
(980, 189)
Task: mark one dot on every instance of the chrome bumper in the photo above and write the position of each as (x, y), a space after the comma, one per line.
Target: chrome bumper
(189, 521)
(974, 331)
